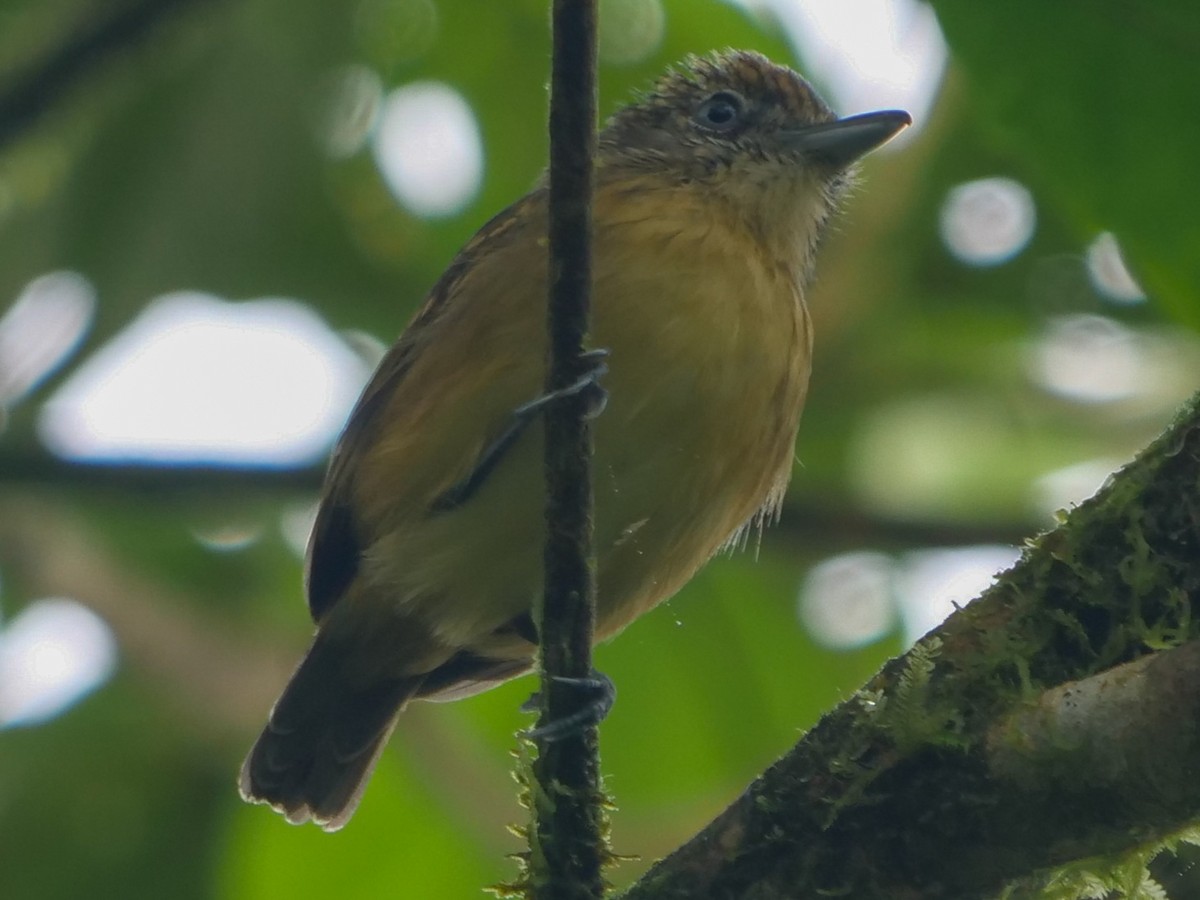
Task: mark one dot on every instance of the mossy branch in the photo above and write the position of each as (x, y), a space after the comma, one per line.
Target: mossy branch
(1043, 742)
(567, 846)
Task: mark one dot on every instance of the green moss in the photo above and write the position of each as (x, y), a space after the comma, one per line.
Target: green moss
(540, 803)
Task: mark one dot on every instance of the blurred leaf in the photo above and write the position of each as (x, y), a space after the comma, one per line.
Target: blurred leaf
(402, 843)
(111, 800)
(1097, 99)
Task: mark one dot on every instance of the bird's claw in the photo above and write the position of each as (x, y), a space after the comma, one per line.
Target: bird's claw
(586, 385)
(596, 693)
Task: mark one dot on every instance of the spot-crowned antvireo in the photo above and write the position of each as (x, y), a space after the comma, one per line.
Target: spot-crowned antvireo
(711, 195)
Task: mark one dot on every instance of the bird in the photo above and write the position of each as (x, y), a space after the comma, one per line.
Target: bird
(712, 192)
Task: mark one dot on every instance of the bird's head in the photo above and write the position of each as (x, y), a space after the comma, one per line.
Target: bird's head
(751, 132)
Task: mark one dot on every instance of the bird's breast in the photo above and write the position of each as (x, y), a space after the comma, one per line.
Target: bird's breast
(708, 366)
(710, 351)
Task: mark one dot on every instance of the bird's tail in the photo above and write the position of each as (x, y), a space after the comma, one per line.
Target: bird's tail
(324, 736)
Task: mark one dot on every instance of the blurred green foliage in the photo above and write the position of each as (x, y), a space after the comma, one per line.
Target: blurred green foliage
(194, 160)
(1090, 101)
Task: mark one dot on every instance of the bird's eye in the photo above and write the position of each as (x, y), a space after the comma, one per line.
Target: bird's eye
(720, 112)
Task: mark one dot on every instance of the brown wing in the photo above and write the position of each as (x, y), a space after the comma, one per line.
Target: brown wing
(335, 547)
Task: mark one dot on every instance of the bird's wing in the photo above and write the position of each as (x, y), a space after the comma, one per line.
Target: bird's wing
(336, 544)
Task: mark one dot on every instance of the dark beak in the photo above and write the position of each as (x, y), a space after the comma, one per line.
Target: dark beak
(841, 142)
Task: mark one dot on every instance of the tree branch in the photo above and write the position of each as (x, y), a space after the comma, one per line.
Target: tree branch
(567, 844)
(35, 91)
(809, 524)
(1036, 728)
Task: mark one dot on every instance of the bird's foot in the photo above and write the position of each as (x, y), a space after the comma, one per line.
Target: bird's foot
(595, 697)
(587, 384)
